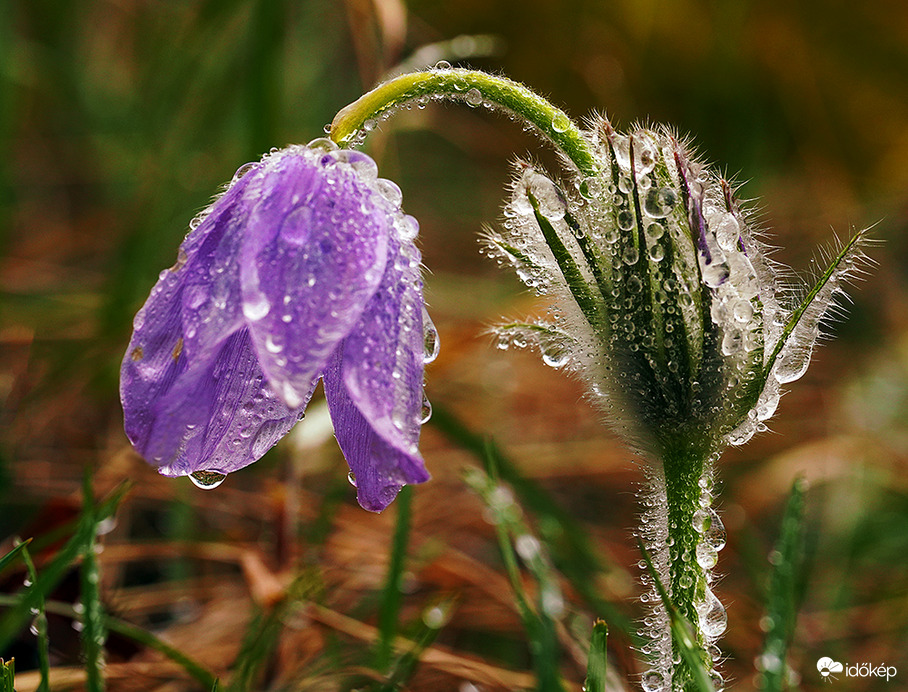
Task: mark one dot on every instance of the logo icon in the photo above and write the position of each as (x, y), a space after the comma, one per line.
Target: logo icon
(827, 667)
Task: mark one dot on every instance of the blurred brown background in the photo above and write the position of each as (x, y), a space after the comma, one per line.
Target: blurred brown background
(119, 119)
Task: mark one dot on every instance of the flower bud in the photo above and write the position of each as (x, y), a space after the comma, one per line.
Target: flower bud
(664, 301)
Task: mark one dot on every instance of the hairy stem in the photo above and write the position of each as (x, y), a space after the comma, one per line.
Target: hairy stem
(475, 88)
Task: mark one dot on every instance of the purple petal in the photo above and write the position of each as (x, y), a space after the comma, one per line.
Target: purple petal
(194, 397)
(191, 311)
(374, 386)
(219, 415)
(313, 255)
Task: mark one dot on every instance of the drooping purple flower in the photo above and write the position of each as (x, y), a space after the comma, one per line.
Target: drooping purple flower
(305, 268)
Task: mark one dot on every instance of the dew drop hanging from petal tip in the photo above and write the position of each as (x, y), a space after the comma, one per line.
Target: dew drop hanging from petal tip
(207, 480)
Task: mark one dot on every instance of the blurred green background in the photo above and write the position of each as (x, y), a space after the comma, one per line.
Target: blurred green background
(119, 119)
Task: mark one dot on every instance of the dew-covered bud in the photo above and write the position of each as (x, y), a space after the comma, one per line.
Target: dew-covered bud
(665, 302)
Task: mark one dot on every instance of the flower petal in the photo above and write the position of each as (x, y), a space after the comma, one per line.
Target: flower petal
(191, 311)
(374, 385)
(313, 255)
(219, 415)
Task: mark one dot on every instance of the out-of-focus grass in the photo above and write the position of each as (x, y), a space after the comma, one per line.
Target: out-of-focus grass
(118, 122)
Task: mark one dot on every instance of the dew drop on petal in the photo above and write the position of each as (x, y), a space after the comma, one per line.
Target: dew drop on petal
(431, 342)
(426, 411)
(256, 308)
(389, 190)
(207, 480)
(351, 478)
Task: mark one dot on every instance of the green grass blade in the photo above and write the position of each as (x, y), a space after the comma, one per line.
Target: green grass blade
(434, 618)
(567, 539)
(263, 635)
(597, 662)
(511, 531)
(389, 610)
(12, 554)
(206, 678)
(21, 611)
(94, 634)
(40, 625)
(782, 601)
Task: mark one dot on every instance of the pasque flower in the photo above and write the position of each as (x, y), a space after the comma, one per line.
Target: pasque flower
(304, 268)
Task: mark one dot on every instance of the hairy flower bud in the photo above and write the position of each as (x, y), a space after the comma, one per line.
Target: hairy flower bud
(665, 302)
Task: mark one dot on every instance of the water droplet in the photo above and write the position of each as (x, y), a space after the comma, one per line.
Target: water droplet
(426, 411)
(474, 97)
(653, 681)
(351, 478)
(711, 615)
(389, 190)
(207, 480)
(323, 143)
(657, 253)
(273, 346)
(256, 308)
(630, 254)
(743, 311)
(527, 547)
(442, 65)
(658, 202)
(431, 342)
(625, 220)
(707, 555)
(714, 274)
(591, 187)
(241, 171)
(560, 123)
(792, 362)
(727, 231)
(715, 534)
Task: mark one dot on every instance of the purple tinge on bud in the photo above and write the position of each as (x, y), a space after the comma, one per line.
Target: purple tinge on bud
(304, 268)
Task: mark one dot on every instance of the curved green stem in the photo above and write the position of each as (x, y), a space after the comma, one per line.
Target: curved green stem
(475, 88)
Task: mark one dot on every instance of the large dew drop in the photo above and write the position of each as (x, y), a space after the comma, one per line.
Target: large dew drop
(207, 480)
(712, 616)
(653, 681)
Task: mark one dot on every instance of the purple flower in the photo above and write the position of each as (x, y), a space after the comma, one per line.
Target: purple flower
(305, 268)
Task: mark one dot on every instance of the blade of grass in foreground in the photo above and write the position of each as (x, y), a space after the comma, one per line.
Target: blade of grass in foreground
(434, 618)
(11, 555)
(597, 663)
(14, 620)
(682, 632)
(94, 634)
(40, 626)
(566, 538)
(514, 537)
(389, 610)
(782, 602)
